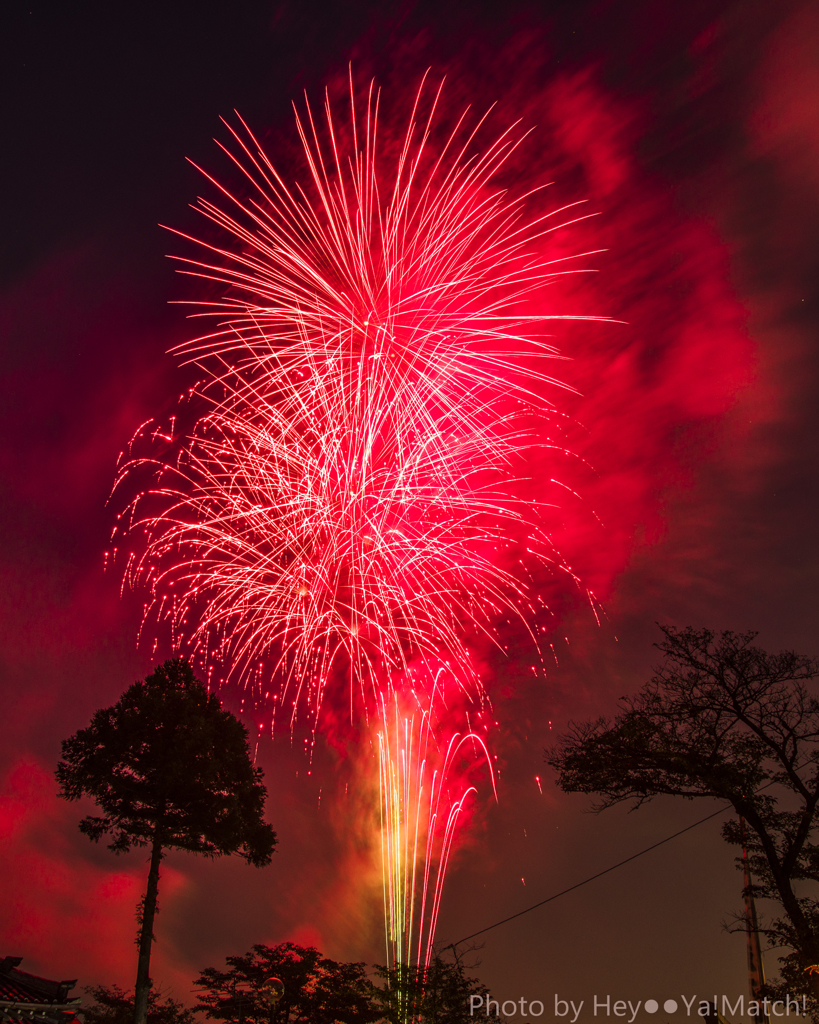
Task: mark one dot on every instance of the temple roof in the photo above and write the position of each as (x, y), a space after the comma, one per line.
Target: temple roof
(27, 998)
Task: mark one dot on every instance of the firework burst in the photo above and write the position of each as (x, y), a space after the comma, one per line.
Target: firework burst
(344, 507)
(347, 502)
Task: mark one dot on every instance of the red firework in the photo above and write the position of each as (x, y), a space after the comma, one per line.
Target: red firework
(346, 506)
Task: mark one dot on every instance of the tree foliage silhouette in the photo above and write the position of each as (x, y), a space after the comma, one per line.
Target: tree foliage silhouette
(436, 993)
(723, 719)
(113, 1005)
(170, 770)
(316, 990)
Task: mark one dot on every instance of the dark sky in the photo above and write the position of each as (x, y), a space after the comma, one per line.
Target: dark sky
(694, 130)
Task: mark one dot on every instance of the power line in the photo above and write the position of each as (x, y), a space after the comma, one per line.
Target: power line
(585, 881)
(613, 867)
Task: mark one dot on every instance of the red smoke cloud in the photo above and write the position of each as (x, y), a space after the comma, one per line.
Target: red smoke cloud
(652, 417)
(55, 899)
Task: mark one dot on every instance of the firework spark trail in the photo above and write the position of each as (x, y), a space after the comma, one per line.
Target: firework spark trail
(423, 799)
(345, 508)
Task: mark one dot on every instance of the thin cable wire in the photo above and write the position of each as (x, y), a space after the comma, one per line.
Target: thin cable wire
(585, 881)
(613, 867)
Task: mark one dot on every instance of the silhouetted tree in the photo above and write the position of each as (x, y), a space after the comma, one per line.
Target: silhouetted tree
(170, 770)
(439, 993)
(113, 1005)
(316, 990)
(725, 720)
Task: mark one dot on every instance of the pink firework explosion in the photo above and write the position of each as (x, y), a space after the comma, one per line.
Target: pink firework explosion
(345, 508)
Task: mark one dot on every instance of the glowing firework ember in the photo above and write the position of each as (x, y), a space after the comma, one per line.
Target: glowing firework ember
(345, 509)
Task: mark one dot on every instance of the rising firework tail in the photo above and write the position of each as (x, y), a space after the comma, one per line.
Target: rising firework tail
(425, 765)
(345, 511)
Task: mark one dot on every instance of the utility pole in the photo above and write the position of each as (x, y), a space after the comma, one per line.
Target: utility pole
(756, 970)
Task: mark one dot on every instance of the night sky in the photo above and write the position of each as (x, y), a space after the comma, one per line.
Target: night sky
(693, 131)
